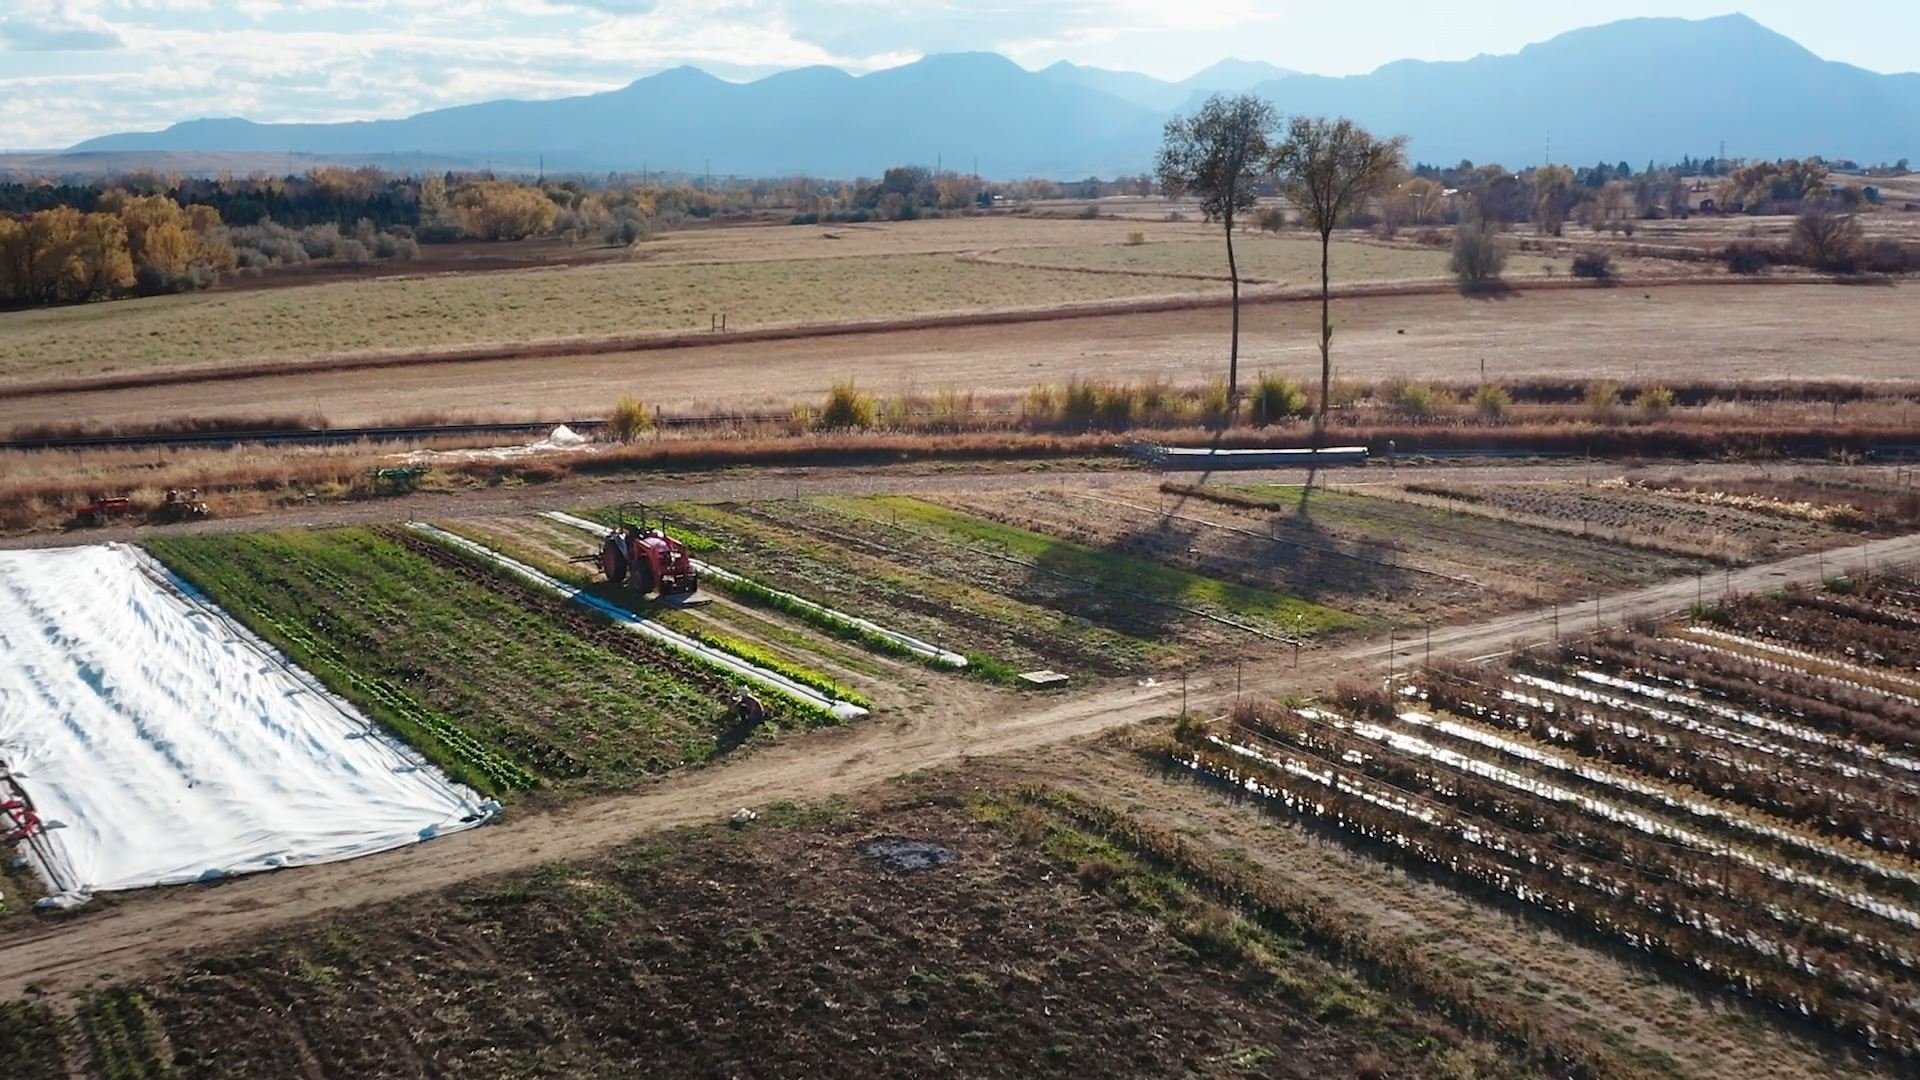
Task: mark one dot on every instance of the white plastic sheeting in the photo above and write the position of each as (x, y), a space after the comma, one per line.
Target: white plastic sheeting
(169, 745)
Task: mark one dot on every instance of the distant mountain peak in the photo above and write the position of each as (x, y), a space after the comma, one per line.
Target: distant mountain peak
(1672, 87)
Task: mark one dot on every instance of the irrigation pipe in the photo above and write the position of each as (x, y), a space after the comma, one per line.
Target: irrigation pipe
(844, 710)
(914, 645)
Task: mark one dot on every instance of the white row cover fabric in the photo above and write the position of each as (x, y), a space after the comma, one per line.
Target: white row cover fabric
(162, 743)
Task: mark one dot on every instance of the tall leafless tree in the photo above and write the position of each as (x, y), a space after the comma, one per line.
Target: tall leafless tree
(1328, 169)
(1218, 155)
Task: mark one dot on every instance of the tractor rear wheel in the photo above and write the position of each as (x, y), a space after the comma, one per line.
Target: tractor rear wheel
(640, 577)
(613, 563)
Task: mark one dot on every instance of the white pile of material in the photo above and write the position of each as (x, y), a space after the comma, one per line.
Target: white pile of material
(560, 440)
(169, 745)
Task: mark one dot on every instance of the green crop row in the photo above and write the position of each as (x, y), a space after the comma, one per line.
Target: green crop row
(120, 1031)
(763, 658)
(502, 687)
(461, 756)
(30, 1046)
(979, 665)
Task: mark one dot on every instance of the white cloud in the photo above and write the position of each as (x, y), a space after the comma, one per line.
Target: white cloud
(32, 34)
(142, 64)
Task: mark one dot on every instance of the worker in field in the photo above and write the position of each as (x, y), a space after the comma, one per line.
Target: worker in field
(749, 710)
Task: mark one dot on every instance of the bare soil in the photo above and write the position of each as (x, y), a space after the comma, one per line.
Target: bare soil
(142, 931)
(785, 947)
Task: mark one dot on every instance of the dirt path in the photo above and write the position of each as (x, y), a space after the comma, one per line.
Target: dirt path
(144, 930)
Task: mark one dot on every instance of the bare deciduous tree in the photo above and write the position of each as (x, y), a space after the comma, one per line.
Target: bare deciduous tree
(1326, 168)
(1827, 240)
(1217, 155)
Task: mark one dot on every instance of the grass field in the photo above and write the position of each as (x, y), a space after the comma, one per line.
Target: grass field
(1290, 259)
(531, 305)
(504, 687)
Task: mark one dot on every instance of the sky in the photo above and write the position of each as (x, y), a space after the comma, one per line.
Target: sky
(73, 69)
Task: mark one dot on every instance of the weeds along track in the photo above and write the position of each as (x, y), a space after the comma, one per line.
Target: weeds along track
(503, 688)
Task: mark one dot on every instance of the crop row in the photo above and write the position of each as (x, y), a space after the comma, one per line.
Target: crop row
(1640, 894)
(1648, 841)
(641, 652)
(30, 1044)
(385, 621)
(513, 545)
(784, 547)
(814, 614)
(1676, 751)
(1796, 618)
(246, 595)
(120, 1034)
(1382, 960)
(764, 658)
(1764, 687)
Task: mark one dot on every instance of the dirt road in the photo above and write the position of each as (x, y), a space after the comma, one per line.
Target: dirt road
(783, 483)
(1673, 332)
(146, 930)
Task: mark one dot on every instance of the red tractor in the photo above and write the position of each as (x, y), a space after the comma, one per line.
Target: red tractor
(648, 559)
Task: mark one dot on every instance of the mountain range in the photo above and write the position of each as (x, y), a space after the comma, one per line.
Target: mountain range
(1635, 90)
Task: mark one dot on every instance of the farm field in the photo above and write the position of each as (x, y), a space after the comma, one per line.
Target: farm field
(1293, 259)
(502, 685)
(1733, 795)
(147, 741)
(1021, 598)
(757, 276)
(531, 305)
(984, 928)
(739, 622)
(1680, 333)
(1723, 521)
(1384, 559)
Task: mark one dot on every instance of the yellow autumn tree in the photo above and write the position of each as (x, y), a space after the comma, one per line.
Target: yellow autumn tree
(503, 210)
(105, 259)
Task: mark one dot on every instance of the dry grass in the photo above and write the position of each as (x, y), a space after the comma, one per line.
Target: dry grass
(1292, 259)
(40, 489)
(528, 305)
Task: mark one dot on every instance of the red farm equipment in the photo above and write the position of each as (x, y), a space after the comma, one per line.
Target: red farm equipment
(646, 559)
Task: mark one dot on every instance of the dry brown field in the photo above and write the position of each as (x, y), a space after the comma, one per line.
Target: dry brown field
(1680, 333)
